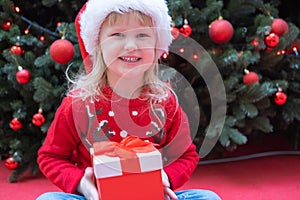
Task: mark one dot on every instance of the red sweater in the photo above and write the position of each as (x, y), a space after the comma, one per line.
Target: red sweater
(79, 123)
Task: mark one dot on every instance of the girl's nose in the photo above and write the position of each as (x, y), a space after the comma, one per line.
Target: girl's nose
(130, 44)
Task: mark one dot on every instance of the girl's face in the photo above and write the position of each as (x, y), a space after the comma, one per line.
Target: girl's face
(128, 47)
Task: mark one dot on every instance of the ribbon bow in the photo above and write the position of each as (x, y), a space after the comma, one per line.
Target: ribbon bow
(126, 150)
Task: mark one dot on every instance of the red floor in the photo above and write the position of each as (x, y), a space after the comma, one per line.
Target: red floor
(265, 178)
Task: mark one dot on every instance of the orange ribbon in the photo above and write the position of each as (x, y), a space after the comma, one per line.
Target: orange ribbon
(126, 150)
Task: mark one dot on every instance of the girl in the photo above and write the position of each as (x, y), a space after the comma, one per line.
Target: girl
(121, 42)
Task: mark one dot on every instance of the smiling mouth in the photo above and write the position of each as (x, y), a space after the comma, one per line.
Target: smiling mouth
(129, 59)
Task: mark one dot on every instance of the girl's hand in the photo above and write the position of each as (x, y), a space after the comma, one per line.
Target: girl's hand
(169, 194)
(87, 186)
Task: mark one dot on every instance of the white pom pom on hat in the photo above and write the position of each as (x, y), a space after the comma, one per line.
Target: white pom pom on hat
(94, 12)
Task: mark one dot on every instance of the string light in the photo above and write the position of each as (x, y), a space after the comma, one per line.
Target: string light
(254, 42)
(165, 55)
(181, 50)
(42, 37)
(195, 57)
(26, 31)
(37, 26)
(6, 26)
(295, 51)
(284, 52)
(278, 53)
(17, 9)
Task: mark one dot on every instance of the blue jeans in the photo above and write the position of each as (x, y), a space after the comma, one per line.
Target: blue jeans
(182, 195)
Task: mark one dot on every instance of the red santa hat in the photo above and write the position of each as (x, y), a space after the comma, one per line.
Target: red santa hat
(94, 12)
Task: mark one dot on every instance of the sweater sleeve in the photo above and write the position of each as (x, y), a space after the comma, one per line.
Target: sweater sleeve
(55, 155)
(179, 153)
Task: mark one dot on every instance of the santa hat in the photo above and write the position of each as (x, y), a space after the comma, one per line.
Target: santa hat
(94, 12)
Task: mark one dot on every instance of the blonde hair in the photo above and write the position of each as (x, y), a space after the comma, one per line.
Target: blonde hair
(91, 84)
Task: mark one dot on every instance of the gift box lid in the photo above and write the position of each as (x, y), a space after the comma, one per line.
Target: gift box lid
(109, 166)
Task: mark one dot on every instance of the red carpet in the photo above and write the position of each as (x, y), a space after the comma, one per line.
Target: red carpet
(265, 178)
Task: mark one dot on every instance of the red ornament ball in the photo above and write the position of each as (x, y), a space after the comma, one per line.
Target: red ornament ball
(186, 30)
(38, 119)
(250, 78)
(15, 124)
(23, 76)
(11, 164)
(175, 32)
(272, 40)
(16, 50)
(220, 31)
(62, 51)
(280, 98)
(279, 27)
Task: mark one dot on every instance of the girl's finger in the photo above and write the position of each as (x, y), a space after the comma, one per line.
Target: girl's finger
(170, 193)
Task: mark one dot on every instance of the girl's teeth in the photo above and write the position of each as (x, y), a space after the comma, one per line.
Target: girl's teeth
(129, 59)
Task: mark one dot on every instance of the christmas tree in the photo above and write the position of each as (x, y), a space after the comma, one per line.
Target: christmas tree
(254, 45)
(33, 79)
(256, 52)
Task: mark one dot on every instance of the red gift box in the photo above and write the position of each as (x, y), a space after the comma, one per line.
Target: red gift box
(130, 169)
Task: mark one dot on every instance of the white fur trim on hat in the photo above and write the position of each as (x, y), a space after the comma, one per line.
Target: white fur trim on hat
(97, 10)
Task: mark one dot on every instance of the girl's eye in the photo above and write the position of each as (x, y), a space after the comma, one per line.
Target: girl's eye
(117, 34)
(142, 35)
